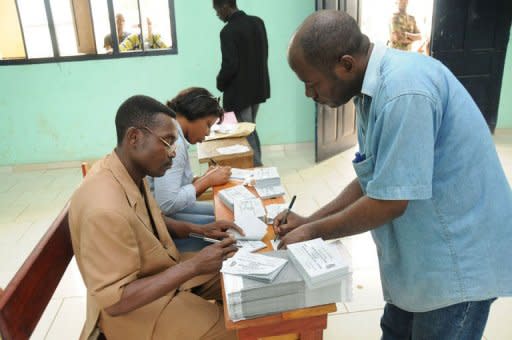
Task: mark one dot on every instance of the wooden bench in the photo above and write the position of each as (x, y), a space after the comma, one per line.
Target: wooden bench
(28, 293)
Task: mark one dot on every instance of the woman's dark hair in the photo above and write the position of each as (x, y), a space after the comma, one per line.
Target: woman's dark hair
(196, 103)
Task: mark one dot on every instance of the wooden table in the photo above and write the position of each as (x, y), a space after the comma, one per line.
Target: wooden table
(207, 151)
(304, 323)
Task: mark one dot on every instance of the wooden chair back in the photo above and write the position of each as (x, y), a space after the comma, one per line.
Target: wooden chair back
(26, 296)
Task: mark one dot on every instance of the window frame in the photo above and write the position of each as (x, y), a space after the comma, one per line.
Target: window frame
(116, 54)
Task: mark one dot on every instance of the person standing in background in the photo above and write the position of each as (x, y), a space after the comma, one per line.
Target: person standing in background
(243, 77)
(404, 30)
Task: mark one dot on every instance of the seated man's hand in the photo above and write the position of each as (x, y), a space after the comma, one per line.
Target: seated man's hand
(209, 259)
(302, 233)
(218, 175)
(218, 229)
(292, 221)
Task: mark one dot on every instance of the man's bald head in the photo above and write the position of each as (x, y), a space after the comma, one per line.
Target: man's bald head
(324, 37)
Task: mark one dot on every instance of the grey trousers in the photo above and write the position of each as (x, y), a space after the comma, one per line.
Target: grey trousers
(249, 115)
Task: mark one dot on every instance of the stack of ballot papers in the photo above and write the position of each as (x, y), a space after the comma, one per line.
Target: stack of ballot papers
(254, 228)
(247, 298)
(267, 182)
(237, 193)
(254, 266)
(273, 210)
(251, 207)
(270, 192)
(320, 263)
(266, 177)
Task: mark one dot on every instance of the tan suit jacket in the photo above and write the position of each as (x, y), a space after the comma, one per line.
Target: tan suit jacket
(114, 244)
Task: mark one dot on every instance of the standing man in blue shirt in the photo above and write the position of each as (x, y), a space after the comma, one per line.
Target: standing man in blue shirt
(243, 77)
(429, 183)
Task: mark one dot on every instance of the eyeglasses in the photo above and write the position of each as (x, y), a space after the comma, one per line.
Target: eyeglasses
(170, 147)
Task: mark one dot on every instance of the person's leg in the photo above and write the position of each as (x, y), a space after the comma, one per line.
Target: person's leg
(199, 208)
(396, 324)
(211, 290)
(189, 316)
(246, 115)
(219, 331)
(257, 143)
(460, 321)
(199, 213)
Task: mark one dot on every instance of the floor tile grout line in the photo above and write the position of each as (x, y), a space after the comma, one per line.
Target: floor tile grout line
(54, 318)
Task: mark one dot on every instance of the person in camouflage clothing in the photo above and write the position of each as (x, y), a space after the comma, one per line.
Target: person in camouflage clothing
(403, 28)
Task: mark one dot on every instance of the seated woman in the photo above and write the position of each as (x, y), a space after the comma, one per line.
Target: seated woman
(176, 192)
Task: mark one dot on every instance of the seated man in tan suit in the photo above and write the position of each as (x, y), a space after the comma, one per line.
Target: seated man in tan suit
(138, 285)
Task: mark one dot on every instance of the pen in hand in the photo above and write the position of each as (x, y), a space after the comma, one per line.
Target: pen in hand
(283, 221)
(208, 239)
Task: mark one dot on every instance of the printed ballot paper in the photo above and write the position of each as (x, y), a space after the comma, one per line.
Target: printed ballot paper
(254, 266)
(319, 262)
(252, 226)
(251, 246)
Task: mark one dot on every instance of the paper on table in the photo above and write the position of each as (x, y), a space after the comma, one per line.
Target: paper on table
(241, 130)
(251, 246)
(253, 228)
(224, 128)
(275, 243)
(273, 210)
(237, 148)
(244, 263)
(240, 174)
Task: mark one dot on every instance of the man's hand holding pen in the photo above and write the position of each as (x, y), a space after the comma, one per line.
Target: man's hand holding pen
(210, 258)
(291, 228)
(218, 175)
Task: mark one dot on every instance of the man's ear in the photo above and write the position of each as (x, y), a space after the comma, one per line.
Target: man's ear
(344, 65)
(132, 136)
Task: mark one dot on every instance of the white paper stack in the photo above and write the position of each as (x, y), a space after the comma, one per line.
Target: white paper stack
(252, 207)
(230, 195)
(254, 266)
(254, 229)
(267, 182)
(270, 192)
(247, 298)
(266, 177)
(319, 262)
(273, 210)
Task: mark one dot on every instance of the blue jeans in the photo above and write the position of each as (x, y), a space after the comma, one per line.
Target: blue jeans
(199, 213)
(465, 321)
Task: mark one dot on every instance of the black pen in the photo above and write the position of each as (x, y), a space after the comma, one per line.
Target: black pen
(283, 221)
(208, 239)
(213, 162)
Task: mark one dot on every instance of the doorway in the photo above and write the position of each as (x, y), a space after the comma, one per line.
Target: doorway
(378, 17)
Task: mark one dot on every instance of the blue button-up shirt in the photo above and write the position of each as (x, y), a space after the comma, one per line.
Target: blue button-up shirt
(174, 191)
(423, 139)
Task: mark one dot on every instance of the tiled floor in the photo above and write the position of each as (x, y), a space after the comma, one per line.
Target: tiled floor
(30, 200)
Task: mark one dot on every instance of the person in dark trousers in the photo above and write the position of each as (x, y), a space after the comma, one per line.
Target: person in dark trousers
(243, 77)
